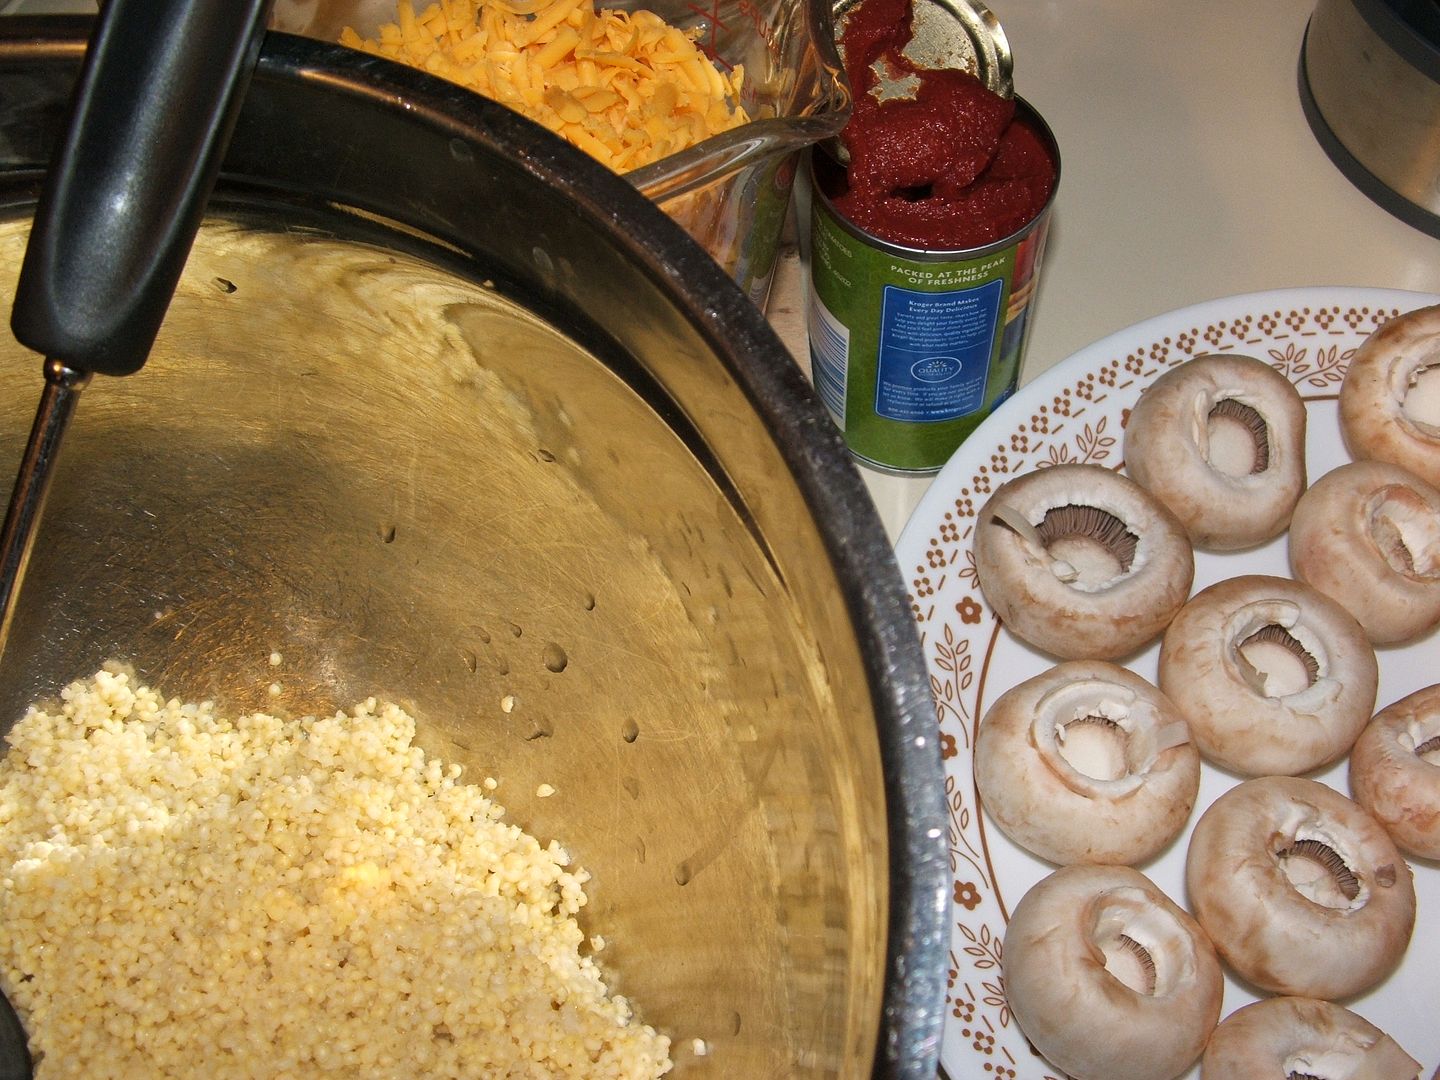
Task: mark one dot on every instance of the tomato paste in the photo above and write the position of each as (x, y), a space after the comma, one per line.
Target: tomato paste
(946, 165)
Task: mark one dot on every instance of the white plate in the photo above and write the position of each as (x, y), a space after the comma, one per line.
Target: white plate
(1076, 412)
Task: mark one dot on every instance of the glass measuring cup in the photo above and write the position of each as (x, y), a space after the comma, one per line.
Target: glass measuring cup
(731, 191)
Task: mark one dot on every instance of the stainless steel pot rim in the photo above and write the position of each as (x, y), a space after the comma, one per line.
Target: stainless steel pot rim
(1402, 36)
(1350, 166)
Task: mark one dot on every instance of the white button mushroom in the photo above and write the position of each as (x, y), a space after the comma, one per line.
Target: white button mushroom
(1273, 677)
(1081, 562)
(1220, 440)
(1301, 891)
(1299, 1037)
(1368, 535)
(1395, 771)
(1390, 399)
(1086, 762)
(1108, 977)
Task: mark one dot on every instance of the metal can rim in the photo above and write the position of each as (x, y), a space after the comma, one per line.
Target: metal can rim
(993, 61)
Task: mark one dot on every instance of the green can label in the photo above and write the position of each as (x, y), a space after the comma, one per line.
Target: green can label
(910, 354)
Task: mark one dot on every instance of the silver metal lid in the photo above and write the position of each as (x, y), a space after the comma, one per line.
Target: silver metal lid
(961, 34)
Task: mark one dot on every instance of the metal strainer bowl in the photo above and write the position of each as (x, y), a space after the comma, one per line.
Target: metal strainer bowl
(443, 413)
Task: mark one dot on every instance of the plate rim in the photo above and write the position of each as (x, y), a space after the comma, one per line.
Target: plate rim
(916, 537)
(1063, 370)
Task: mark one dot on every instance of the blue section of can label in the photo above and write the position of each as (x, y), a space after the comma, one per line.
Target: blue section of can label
(935, 351)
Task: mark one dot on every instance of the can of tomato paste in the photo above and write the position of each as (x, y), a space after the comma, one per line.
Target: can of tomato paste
(924, 251)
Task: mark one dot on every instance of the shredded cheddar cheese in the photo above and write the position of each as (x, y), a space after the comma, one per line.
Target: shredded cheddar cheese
(625, 87)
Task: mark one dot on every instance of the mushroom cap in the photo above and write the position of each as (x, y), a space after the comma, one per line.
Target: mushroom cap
(1086, 762)
(1175, 450)
(1380, 412)
(1368, 535)
(1286, 930)
(1044, 600)
(1300, 1036)
(1390, 777)
(1259, 723)
(1071, 975)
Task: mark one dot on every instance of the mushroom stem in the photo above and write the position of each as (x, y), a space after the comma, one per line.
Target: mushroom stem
(1168, 735)
(1014, 520)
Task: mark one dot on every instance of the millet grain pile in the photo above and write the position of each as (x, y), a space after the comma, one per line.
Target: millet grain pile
(183, 895)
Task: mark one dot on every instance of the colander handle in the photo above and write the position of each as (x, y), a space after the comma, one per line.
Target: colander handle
(161, 86)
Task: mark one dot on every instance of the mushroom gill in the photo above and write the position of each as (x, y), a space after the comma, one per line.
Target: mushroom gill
(1143, 945)
(1098, 545)
(1318, 872)
(1276, 663)
(1429, 750)
(1094, 745)
(1406, 532)
(1131, 963)
(1239, 438)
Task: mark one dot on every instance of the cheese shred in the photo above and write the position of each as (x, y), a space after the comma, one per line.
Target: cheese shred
(625, 87)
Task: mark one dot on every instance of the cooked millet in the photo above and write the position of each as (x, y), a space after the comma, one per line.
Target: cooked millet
(184, 895)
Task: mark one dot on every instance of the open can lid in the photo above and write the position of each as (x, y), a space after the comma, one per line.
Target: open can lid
(960, 34)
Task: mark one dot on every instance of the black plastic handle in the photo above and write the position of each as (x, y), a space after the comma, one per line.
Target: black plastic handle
(159, 92)
(15, 1063)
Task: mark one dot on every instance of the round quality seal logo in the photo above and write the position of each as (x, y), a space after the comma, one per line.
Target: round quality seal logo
(935, 369)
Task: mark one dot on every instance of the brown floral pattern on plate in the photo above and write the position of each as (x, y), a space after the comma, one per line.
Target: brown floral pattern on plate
(1076, 412)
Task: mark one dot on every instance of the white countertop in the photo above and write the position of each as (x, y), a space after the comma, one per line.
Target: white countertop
(1188, 172)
